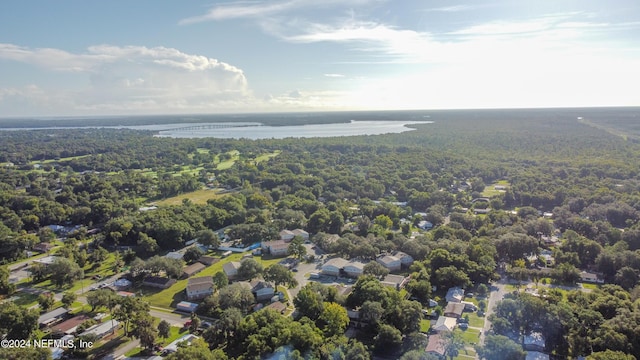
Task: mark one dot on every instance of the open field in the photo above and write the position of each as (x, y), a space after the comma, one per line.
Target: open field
(490, 190)
(197, 197)
(49, 161)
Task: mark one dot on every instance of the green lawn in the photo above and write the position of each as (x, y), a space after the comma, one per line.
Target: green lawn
(265, 157)
(199, 197)
(590, 286)
(490, 190)
(470, 336)
(425, 325)
(49, 161)
(475, 320)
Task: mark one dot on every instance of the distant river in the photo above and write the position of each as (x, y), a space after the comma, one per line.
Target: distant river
(257, 131)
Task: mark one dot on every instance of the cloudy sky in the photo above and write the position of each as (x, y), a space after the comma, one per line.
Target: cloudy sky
(78, 57)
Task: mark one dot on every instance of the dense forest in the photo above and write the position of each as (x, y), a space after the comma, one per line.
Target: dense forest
(483, 180)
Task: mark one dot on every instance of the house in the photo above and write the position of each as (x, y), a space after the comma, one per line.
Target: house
(536, 355)
(547, 258)
(334, 267)
(286, 235)
(392, 263)
(192, 269)
(185, 339)
(454, 310)
(186, 306)
(299, 232)
(591, 277)
(436, 345)
(158, 282)
(176, 255)
(199, 288)
(354, 268)
(454, 294)
(69, 326)
(445, 323)
(47, 260)
(277, 306)
(549, 240)
(121, 284)
(395, 281)
(231, 269)
(43, 247)
(262, 290)
(425, 225)
(405, 259)
(534, 341)
(208, 260)
(101, 330)
(52, 317)
(125, 294)
(275, 248)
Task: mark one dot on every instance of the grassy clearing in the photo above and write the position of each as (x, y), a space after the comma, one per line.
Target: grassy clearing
(425, 325)
(224, 165)
(475, 320)
(49, 161)
(265, 157)
(25, 300)
(199, 197)
(590, 286)
(466, 354)
(490, 190)
(470, 336)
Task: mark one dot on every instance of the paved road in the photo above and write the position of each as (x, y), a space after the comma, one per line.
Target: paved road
(498, 291)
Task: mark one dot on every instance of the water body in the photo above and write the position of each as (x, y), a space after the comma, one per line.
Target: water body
(254, 132)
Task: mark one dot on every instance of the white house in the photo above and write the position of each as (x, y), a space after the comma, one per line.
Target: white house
(392, 263)
(354, 268)
(405, 259)
(175, 255)
(262, 290)
(186, 339)
(231, 269)
(199, 288)
(445, 323)
(455, 294)
(275, 248)
(286, 235)
(103, 329)
(333, 266)
(303, 234)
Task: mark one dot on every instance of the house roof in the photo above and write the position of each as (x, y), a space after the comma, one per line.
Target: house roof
(70, 324)
(300, 232)
(173, 347)
(231, 266)
(534, 339)
(436, 345)
(278, 306)
(445, 323)
(208, 260)
(101, 328)
(258, 285)
(454, 308)
(536, 355)
(52, 315)
(193, 268)
(174, 255)
(387, 259)
(337, 262)
(359, 265)
(200, 280)
(286, 233)
(455, 293)
(394, 281)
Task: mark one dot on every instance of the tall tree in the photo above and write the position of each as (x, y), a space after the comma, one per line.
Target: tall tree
(279, 274)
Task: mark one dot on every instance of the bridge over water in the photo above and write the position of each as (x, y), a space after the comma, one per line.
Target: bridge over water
(211, 127)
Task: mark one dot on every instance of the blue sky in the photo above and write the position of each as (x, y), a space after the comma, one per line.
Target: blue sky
(78, 57)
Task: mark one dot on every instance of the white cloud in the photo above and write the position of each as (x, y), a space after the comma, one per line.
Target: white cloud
(334, 75)
(134, 78)
(261, 9)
